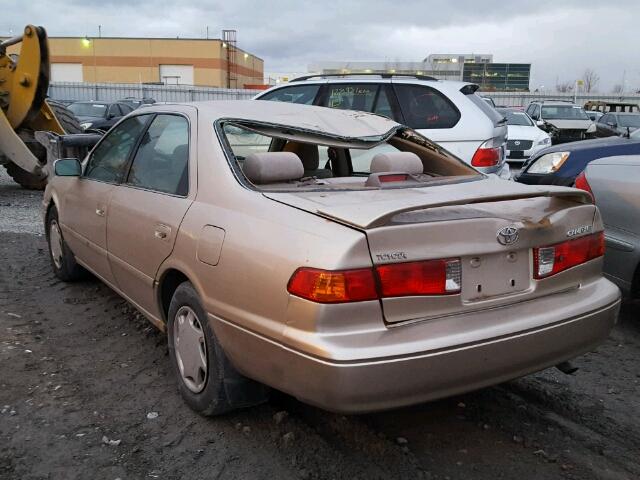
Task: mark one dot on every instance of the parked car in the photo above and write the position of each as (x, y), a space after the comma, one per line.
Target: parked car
(617, 124)
(614, 183)
(489, 101)
(350, 280)
(561, 164)
(134, 102)
(450, 113)
(99, 115)
(563, 120)
(524, 138)
(594, 115)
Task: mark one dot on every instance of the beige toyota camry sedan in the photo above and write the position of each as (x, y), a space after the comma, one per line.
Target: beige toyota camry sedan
(334, 255)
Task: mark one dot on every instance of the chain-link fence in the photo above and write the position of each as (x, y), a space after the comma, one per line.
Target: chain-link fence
(67, 91)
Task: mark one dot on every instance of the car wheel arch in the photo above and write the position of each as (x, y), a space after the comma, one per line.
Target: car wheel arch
(168, 283)
(169, 277)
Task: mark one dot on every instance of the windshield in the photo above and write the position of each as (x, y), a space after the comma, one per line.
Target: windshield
(261, 156)
(517, 118)
(631, 121)
(563, 112)
(88, 109)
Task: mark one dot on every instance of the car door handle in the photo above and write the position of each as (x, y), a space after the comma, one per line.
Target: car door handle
(100, 212)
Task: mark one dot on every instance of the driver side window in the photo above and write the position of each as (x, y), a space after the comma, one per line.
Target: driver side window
(108, 161)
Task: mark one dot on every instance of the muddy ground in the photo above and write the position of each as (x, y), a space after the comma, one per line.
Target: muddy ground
(82, 378)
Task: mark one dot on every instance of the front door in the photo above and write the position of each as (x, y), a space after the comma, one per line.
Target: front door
(86, 205)
(146, 210)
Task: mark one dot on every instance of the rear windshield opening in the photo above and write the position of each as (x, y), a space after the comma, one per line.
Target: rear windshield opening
(273, 158)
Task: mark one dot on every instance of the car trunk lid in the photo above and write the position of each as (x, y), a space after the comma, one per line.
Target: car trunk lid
(460, 221)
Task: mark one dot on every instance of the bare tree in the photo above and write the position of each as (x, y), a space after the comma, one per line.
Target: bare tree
(590, 79)
(617, 88)
(564, 87)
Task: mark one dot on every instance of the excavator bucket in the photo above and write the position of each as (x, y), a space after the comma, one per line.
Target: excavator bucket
(24, 81)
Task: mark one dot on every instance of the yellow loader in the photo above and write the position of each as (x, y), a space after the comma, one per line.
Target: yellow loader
(25, 110)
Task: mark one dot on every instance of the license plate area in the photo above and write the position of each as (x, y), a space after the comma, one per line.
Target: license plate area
(495, 274)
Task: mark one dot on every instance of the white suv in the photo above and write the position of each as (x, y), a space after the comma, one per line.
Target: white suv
(447, 112)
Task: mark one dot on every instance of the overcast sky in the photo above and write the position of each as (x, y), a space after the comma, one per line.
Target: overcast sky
(559, 38)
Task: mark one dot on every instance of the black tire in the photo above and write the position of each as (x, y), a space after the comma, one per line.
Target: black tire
(67, 119)
(27, 180)
(65, 267)
(225, 389)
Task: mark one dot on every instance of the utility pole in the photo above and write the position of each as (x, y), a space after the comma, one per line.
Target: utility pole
(99, 31)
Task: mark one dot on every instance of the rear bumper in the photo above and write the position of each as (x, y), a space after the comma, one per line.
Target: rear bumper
(370, 384)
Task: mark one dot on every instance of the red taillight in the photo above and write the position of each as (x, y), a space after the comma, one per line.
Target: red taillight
(486, 157)
(553, 259)
(340, 286)
(430, 277)
(583, 184)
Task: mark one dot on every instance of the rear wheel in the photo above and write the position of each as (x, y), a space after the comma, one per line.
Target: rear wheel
(26, 179)
(207, 381)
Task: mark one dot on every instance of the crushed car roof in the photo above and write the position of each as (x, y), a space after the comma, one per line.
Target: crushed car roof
(329, 121)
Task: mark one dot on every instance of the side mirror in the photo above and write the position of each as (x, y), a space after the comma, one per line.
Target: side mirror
(539, 123)
(612, 124)
(67, 167)
(110, 116)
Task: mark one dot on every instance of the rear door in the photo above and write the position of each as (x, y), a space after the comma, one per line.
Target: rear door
(146, 210)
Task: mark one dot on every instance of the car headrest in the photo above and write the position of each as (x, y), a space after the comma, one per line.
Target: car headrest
(407, 162)
(272, 167)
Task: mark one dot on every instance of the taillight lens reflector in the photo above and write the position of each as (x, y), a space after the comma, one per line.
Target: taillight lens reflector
(325, 286)
(430, 277)
(486, 157)
(556, 258)
(583, 184)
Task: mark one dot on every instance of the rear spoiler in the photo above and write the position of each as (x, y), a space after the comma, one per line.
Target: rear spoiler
(374, 220)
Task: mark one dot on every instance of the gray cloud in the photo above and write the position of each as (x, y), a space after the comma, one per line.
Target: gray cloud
(560, 39)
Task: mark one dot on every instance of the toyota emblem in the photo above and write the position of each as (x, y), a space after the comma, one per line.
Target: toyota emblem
(517, 142)
(508, 235)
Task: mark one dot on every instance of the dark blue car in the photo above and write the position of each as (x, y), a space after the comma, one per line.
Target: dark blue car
(561, 164)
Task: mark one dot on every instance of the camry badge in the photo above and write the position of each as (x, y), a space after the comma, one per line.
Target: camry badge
(579, 230)
(508, 235)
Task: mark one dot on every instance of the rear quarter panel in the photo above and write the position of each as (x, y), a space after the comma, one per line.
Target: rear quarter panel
(617, 192)
(264, 242)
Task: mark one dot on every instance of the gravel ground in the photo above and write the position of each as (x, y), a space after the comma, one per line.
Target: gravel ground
(86, 392)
